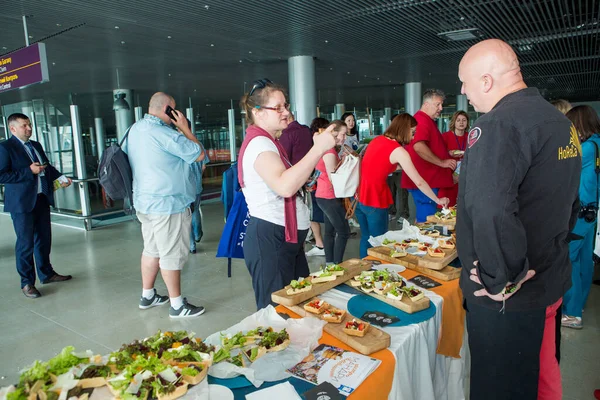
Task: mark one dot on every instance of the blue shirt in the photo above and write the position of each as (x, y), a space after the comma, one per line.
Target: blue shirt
(197, 171)
(589, 182)
(160, 159)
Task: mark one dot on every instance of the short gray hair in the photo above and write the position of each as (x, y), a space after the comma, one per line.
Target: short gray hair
(431, 93)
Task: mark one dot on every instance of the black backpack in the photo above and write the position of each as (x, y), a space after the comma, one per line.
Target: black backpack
(114, 173)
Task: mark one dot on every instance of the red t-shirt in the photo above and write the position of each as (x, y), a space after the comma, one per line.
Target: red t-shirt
(435, 176)
(374, 170)
(454, 142)
(324, 186)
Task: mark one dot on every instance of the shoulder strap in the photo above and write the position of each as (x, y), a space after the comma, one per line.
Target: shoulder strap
(125, 137)
(597, 159)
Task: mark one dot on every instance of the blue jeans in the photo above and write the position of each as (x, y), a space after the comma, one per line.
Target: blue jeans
(373, 222)
(196, 233)
(425, 206)
(582, 272)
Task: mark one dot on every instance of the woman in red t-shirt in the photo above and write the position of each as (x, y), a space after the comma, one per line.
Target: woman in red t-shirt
(382, 157)
(456, 142)
(337, 230)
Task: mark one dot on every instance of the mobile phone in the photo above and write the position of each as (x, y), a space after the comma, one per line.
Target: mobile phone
(169, 111)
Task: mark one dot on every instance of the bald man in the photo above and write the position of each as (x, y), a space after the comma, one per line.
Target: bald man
(516, 205)
(163, 189)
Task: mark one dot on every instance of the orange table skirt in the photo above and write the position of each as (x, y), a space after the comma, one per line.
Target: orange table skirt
(453, 313)
(379, 384)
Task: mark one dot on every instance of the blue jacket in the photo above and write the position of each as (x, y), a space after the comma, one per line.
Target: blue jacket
(21, 185)
(589, 184)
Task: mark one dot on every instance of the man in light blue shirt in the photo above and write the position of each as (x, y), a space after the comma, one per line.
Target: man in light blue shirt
(163, 189)
(197, 232)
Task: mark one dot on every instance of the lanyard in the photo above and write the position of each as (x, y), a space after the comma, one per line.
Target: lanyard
(458, 144)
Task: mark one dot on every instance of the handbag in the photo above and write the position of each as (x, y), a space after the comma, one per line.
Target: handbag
(346, 177)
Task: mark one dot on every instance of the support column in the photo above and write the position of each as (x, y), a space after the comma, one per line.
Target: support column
(139, 113)
(462, 104)
(303, 89)
(93, 143)
(123, 117)
(340, 109)
(100, 136)
(387, 117)
(189, 113)
(232, 141)
(80, 165)
(412, 97)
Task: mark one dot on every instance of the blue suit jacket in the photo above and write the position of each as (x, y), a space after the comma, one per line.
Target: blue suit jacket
(20, 184)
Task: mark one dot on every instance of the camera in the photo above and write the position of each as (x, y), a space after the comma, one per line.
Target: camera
(589, 212)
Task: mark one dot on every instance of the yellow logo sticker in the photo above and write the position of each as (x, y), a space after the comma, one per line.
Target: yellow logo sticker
(573, 149)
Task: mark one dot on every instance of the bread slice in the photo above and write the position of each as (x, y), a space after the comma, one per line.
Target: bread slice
(334, 315)
(291, 291)
(316, 306)
(194, 380)
(88, 383)
(279, 347)
(321, 279)
(355, 283)
(177, 393)
(356, 332)
(436, 253)
(261, 352)
(414, 294)
(433, 233)
(446, 244)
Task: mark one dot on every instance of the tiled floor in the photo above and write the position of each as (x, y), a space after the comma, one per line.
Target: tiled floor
(98, 308)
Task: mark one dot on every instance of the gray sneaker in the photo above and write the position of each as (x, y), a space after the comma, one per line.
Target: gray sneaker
(187, 310)
(156, 300)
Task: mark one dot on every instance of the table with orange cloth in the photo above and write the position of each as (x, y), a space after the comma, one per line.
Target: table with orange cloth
(427, 359)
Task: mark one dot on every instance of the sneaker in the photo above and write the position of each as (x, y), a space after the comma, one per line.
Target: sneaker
(156, 300)
(571, 322)
(315, 251)
(187, 310)
(353, 223)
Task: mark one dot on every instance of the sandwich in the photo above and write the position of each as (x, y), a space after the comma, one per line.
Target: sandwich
(413, 293)
(382, 287)
(395, 294)
(193, 374)
(367, 286)
(275, 341)
(323, 276)
(235, 341)
(254, 353)
(300, 286)
(436, 253)
(433, 233)
(184, 355)
(356, 328)
(259, 332)
(387, 242)
(396, 253)
(335, 269)
(446, 244)
(237, 360)
(168, 385)
(334, 315)
(93, 376)
(316, 306)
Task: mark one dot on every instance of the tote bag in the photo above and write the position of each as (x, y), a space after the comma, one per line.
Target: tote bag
(231, 244)
(346, 177)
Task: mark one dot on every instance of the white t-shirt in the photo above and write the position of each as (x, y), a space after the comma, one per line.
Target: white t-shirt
(262, 202)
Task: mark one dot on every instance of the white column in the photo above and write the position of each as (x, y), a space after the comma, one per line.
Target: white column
(412, 97)
(139, 113)
(302, 86)
(100, 138)
(80, 163)
(232, 141)
(462, 104)
(340, 109)
(387, 117)
(124, 118)
(189, 113)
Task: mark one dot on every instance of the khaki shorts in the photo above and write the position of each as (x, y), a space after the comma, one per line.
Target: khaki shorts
(167, 237)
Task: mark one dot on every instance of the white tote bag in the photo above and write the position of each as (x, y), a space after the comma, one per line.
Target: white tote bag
(346, 178)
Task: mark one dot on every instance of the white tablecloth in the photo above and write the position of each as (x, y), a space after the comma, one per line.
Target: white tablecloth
(421, 373)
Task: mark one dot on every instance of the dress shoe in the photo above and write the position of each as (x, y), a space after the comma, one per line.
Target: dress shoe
(57, 278)
(31, 292)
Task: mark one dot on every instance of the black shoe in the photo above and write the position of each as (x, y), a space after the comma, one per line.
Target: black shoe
(57, 278)
(193, 251)
(353, 234)
(31, 292)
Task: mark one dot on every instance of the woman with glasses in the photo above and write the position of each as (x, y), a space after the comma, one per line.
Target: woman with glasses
(456, 143)
(279, 217)
(586, 128)
(383, 156)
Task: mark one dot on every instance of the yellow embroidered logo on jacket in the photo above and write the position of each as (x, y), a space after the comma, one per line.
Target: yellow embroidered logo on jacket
(573, 149)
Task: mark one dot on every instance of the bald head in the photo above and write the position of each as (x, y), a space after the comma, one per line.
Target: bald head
(489, 71)
(158, 103)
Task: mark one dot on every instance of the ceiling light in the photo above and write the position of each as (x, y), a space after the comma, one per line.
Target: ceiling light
(240, 60)
(348, 72)
(206, 7)
(4, 48)
(169, 74)
(30, 37)
(120, 103)
(58, 25)
(212, 45)
(249, 52)
(327, 41)
(122, 42)
(331, 69)
(53, 63)
(168, 37)
(461, 34)
(116, 27)
(391, 61)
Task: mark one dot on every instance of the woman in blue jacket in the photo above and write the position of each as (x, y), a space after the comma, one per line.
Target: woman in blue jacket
(587, 126)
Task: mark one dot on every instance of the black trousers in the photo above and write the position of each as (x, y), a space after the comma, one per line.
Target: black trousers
(34, 239)
(505, 352)
(337, 229)
(271, 261)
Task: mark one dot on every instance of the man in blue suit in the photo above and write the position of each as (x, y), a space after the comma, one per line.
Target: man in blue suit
(29, 192)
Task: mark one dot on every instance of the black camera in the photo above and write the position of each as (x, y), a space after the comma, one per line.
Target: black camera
(589, 212)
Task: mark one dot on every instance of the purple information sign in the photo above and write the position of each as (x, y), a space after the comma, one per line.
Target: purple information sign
(24, 67)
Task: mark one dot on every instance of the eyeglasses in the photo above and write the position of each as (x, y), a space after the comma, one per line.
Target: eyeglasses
(280, 108)
(259, 84)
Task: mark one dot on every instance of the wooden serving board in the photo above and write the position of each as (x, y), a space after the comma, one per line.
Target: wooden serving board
(450, 224)
(446, 273)
(374, 340)
(406, 304)
(383, 252)
(353, 267)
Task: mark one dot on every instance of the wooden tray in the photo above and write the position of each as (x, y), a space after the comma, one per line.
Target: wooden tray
(374, 340)
(450, 224)
(406, 304)
(383, 252)
(446, 273)
(354, 267)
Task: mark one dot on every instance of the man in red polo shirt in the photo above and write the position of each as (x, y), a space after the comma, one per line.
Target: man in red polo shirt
(429, 154)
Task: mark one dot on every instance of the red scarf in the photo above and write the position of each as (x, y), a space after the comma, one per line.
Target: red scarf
(289, 210)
